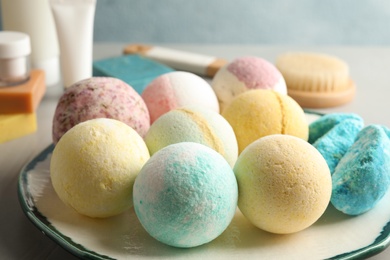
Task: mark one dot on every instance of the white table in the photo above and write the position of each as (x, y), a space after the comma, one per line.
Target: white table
(20, 239)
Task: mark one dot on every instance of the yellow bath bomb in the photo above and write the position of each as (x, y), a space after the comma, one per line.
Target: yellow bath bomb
(258, 113)
(284, 184)
(94, 165)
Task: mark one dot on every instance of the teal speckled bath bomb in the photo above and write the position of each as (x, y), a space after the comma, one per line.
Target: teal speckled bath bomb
(333, 134)
(185, 195)
(362, 177)
(325, 123)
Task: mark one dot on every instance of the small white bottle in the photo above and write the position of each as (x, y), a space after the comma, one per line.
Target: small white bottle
(34, 18)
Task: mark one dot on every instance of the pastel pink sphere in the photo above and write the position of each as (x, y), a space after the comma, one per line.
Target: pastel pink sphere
(178, 89)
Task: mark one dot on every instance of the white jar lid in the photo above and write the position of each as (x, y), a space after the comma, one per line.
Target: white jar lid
(14, 44)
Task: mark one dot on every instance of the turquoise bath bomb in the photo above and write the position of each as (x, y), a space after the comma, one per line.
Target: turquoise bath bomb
(333, 134)
(325, 123)
(185, 195)
(362, 177)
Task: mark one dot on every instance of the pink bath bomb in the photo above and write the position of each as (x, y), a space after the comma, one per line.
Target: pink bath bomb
(100, 97)
(245, 73)
(178, 89)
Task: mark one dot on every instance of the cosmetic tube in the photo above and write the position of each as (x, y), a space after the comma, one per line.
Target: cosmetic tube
(34, 18)
(74, 22)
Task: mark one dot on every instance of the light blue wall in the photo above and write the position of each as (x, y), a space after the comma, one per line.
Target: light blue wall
(299, 22)
(326, 22)
(308, 22)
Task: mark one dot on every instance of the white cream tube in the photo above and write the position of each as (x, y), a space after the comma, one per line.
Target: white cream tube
(74, 22)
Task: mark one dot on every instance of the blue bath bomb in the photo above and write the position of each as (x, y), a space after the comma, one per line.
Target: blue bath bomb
(325, 123)
(185, 195)
(334, 143)
(362, 176)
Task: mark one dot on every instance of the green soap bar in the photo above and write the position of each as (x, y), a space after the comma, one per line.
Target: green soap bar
(135, 70)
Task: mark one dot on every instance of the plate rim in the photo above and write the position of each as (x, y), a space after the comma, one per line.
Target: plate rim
(40, 221)
(381, 242)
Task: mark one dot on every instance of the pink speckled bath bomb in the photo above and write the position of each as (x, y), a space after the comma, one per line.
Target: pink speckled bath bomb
(245, 73)
(177, 89)
(100, 97)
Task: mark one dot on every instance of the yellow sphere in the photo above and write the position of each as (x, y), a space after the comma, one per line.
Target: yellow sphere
(94, 165)
(258, 113)
(284, 184)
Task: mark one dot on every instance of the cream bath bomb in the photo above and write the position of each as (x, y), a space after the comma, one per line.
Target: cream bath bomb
(99, 97)
(193, 124)
(177, 89)
(245, 73)
(185, 195)
(284, 184)
(257, 113)
(94, 165)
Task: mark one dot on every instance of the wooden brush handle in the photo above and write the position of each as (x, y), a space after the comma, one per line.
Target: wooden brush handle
(180, 60)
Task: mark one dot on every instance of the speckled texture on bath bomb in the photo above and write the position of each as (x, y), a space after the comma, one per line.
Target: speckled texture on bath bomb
(333, 134)
(177, 89)
(185, 195)
(258, 113)
(284, 184)
(193, 124)
(326, 122)
(100, 97)
(362, 176)
(245, 73)
(94, 165)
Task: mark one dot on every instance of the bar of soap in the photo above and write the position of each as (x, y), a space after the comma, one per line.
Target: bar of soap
(23, 98)
(135, 70)
(17, 125)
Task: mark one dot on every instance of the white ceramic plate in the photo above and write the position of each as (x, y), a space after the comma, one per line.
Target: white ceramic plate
(334, 235)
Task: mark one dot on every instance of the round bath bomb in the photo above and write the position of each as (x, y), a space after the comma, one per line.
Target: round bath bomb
(185, 195)
(284, 184)
(94, 165)
(177, 89)
(245, 73)
(258, 113)
(100, 97)
(193, 124)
